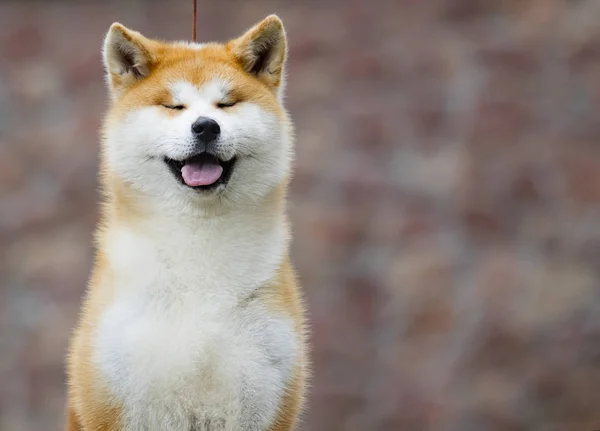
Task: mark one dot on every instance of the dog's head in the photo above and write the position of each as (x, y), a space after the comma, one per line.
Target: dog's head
(194, 123)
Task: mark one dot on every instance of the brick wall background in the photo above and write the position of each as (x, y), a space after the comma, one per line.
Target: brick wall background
(446, 203)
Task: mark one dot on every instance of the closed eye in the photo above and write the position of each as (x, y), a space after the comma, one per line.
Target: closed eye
(175, 107)
(222, 105)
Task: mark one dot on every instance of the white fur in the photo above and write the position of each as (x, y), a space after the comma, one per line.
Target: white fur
(188, 44)
(137, 144)
(184, 343)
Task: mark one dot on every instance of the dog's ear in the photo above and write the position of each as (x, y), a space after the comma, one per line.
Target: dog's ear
(127, 57)
(262, 51)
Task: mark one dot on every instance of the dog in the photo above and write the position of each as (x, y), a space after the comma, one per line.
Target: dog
(193, 318)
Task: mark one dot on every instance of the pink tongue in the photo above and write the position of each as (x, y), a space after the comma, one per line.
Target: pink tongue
(201, 174)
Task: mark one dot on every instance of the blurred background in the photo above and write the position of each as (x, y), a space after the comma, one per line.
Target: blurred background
(446, 203)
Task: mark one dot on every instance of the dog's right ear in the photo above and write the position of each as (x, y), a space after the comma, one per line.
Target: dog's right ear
(127, 57)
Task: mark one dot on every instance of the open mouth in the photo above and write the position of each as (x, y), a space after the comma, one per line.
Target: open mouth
(203, 171)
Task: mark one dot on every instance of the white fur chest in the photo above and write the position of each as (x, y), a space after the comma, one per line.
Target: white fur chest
(185, 345)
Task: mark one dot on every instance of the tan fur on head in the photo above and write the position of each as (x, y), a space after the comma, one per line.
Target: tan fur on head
(128, 55)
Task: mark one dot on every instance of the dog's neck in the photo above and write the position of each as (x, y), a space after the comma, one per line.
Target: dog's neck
(239, 249)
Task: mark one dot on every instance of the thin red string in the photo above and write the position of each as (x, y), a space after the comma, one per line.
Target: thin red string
(194, 24)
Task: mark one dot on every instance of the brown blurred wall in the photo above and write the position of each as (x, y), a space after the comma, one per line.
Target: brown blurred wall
(446, 204)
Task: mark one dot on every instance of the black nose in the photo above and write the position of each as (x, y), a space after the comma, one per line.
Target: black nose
(206, 129)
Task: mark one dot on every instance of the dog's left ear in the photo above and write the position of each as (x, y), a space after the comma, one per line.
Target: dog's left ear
(262, 51)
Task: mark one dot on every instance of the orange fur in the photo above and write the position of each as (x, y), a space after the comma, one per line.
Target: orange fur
(283, 297)
(89, 402)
